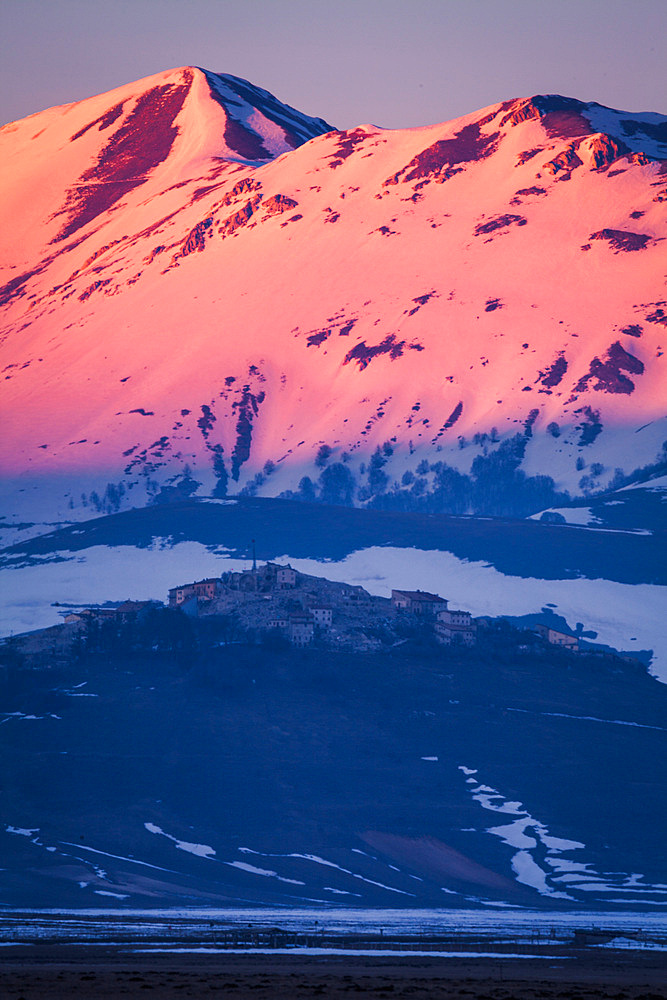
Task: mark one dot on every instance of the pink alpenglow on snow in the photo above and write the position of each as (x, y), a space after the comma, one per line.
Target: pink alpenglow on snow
(202, 288)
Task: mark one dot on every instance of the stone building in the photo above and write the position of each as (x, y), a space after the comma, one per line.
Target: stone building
(455, 628)
(285, 577)
(418, 602)
(206, 590)
(322, 614)
(301, 630)
(557, 638)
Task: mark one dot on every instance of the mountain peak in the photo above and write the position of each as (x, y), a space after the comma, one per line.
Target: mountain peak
(569, 118)
(168, 123)
(251, 111)
(200, 294)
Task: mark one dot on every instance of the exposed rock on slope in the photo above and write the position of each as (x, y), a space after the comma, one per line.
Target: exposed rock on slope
(201, 283)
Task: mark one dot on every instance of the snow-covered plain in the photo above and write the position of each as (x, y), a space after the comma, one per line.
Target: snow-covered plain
(625, 616)
(332, 952)
(101, 574)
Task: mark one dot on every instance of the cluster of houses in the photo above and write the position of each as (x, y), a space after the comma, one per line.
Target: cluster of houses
(301, 607)
(266, 593)
(451, 627)
(278, 598)
(122, 614)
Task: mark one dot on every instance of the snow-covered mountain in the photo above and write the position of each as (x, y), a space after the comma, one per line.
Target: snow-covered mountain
(207, 290)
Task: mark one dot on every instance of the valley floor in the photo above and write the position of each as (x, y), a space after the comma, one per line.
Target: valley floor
(58, 972)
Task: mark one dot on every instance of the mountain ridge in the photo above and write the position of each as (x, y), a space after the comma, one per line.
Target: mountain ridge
(206, 300)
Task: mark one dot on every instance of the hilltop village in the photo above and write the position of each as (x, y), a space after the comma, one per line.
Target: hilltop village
(303, 608)
(276, 606)
(277, 602)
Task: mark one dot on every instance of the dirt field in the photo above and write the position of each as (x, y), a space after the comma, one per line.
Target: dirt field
(97, 974)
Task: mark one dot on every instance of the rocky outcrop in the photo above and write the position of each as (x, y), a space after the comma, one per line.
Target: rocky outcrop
(196, 240)
(561, 117)
(240, 218)
(604, 150)
(499, 222)
(439, 161)
(363, 355)
(599, 151)
(527, 154)
(608, 374)
(659, 315)
(155, 252)
(279, 203)
(565, 162)
(347, 143)
(241, 187)
(522, 111)
(94, 287)
(622, 240)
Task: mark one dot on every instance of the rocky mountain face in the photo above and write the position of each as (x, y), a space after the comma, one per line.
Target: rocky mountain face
(206, 291)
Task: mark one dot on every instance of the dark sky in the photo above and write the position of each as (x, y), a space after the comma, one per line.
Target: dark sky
(395, 63)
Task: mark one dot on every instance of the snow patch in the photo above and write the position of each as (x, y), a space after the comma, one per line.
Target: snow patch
(261, 871)
(582, 516)
(20, 717)
(201, 850)
(529, 837)
(316, 859)
(353, 952)
(590, 718)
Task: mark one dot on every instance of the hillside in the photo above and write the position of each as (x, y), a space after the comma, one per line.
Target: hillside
(424, 359)
(419, 776)
(207, 291)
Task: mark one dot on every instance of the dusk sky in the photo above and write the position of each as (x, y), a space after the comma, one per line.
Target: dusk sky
(389, 62)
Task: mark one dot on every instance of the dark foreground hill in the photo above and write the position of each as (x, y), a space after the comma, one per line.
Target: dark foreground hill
(414, 777)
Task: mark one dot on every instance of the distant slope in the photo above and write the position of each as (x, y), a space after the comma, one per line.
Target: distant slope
(639, 507)
(517, 548)
(204, 288)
